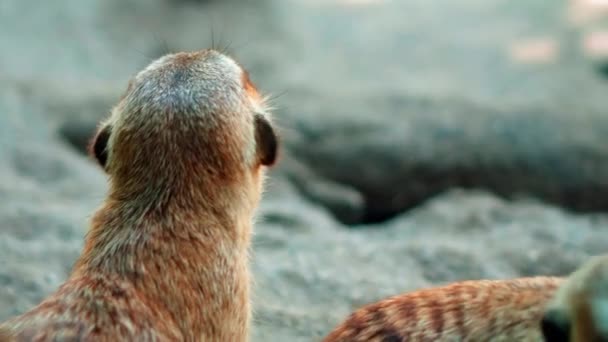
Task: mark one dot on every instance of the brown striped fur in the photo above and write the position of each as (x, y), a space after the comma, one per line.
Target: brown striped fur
(481, 310)
(166, 256)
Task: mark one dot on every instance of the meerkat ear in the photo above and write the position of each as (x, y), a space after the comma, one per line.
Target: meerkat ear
(266, 141)
(555, 327)
(98, 147)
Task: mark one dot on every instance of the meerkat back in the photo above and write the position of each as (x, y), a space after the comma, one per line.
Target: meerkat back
(481, 310)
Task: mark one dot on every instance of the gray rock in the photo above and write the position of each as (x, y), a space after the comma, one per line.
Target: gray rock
(344, 202)
(553, 156)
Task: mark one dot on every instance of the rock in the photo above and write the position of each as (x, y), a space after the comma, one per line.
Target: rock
(344, 202)
(552, 156)
(78, 134)
(47, 193)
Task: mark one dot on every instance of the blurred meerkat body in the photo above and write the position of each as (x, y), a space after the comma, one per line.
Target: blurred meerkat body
(166, 256)
(477, 310)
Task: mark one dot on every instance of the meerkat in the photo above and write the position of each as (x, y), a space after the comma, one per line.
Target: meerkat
(579, 310)
(166, 256)
(474, 310)
(549, 309)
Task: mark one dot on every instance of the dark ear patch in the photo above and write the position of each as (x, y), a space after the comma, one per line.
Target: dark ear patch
(98, 147)
(266, 141)
(555, 327)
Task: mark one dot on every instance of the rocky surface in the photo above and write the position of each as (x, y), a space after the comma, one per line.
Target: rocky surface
(418, 151)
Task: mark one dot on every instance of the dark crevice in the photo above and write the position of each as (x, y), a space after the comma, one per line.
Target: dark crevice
(78, 134)
(415, 188)
(372, 216)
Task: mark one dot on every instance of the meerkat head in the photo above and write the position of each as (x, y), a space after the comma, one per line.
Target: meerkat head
(579, 309)
(186, 117)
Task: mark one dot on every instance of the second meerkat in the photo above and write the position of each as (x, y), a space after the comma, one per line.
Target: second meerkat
(549, 309)
(475, 310)
(166, 256)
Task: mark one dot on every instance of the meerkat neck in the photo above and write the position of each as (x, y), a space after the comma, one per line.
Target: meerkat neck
(193, 260)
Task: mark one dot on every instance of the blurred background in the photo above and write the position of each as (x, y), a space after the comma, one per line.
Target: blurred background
(424, 141)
